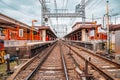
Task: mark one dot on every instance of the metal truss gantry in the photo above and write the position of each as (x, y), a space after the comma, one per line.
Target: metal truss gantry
(63, 15)
(79, 12)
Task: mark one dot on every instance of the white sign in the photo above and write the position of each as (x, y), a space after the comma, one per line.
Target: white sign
(20, 32)
(7, 56)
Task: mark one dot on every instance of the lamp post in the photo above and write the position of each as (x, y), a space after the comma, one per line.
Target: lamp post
(33, 29)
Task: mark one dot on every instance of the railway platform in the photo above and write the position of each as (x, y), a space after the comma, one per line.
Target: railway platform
(65, 61)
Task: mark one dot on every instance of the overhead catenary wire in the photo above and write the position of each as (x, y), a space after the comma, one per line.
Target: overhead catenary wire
(56, 11)
(94, 4)
(14, 8)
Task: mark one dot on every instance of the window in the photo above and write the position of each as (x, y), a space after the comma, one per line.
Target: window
(20, 32)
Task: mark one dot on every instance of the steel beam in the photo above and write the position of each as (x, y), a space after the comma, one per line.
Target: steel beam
(64, 15)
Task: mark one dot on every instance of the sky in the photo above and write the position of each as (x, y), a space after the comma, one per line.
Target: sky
(27, 10)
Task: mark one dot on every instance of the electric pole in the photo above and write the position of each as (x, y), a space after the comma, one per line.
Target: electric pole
(108, 33)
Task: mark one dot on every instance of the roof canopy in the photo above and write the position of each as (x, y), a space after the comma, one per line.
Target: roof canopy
(7, 21)
(115, 27)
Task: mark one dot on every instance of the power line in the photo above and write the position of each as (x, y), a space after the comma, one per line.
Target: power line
(66, 4)
(56, 11)
(9, 6)
(95, 3)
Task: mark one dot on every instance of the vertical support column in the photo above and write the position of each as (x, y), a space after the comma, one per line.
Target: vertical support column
(30, 34)
(95, 37)
(83, 35)
(83, 12)
(108, 33)
(43, 35)
(74, 37)
(42, 12)
(47, 37)
(78, 36)
(17, 31)
(32, 31)
(40, 35)
(9, 36)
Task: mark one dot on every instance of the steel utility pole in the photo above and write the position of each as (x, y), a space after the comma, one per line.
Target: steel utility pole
(83, 17)
(83, 7)
(108, 33)
(44, 10)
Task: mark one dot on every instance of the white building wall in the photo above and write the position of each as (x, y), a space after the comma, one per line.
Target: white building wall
(83, 35)
(43, 35)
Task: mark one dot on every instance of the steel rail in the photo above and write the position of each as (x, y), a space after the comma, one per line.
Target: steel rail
(40, 64)
(27, 64)
(106, 59)
(64, 63)
(93, 65)
(22, 68)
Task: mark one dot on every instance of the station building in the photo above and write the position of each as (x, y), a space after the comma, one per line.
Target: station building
(16, 34)
(89, 34)
(115, 37)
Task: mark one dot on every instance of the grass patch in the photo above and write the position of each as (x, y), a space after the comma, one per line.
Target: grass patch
(3, 69)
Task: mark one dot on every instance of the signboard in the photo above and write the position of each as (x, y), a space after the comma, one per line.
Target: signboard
(1, 44)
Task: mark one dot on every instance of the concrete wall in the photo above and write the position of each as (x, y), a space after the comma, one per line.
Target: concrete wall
(24, 52)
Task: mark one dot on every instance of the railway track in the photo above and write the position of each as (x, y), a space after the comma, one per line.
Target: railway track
(55, 67)
(51, 69)
(97, 65)
(27, 68)
(71, 66)
(52, 64)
